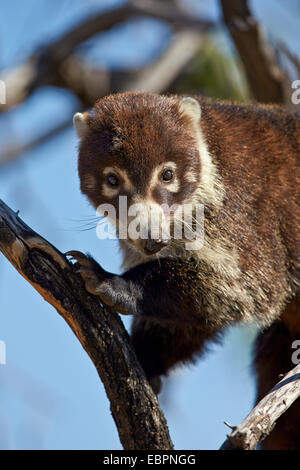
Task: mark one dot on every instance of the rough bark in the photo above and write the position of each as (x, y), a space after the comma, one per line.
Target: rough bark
(134, 406)
(262, 419)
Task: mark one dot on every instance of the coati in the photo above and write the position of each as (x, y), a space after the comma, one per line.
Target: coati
(242, 163)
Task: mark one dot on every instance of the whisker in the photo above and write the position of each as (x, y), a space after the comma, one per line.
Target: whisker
(85, 219)
(79, 229)
(86, 223)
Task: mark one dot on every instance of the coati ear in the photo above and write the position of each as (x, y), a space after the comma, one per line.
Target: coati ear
(80, 124)
(191, 108)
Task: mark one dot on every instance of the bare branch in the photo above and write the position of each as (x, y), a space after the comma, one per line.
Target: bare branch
(65, 46)
(44, 67)
(13, 150)
(134, 406)
(294, 59)
(90, 84)
(158, 76)
(17, 81)
(175, 16)
(265, 76)
(262, 419)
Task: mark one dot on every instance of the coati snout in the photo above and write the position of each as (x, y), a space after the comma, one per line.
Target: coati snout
(151, 246)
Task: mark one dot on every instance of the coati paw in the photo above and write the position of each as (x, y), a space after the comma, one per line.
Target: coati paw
(100, 282)
(91, 272)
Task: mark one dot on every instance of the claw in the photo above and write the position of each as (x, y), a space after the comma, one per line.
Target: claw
(90, 271)
(78, 256)
(96, 279)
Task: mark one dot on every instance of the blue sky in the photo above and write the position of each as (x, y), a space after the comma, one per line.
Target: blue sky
(50, 394)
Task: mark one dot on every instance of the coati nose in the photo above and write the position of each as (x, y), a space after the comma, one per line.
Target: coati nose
(153, 246)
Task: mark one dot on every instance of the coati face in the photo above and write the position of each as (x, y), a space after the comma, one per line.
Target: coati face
(145, 148)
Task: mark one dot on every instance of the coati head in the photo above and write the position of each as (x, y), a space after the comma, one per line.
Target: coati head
(145, 147)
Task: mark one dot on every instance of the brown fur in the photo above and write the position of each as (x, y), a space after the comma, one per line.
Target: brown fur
(137, 145)
(249, 266)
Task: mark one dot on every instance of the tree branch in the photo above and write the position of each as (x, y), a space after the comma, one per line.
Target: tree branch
(159, 75)
(171, 14)
(14, 150)
(294, 59)
(43, 67)
(264, 74)
(134, 406)
(262, 419)
(91, 84)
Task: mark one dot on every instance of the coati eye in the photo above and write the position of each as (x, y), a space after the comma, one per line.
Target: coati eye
(167, 175)
(112, 180)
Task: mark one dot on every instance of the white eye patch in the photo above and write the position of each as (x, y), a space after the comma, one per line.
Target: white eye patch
(125, 182)
(173, 185)
(109, 192)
